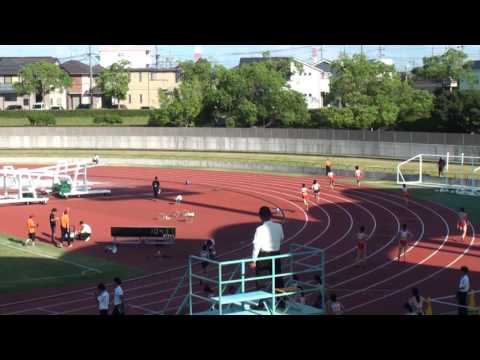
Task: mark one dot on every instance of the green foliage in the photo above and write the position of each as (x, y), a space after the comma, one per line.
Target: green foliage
(451, 64)
(41, 78)
(113, 81)
(253, 94)
(41, 119)
(375, 94)
(108, 119)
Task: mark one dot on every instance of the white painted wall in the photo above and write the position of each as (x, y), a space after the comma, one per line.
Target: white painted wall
(56, 98)
(139, 56)
(310, 82)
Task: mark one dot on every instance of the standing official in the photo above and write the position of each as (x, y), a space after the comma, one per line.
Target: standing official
(65, 228)
(266, 242)
(463, 289)
(53, 219)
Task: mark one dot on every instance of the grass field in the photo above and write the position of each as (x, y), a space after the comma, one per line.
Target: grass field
(367, 164)
(45, 266)
(76, 121)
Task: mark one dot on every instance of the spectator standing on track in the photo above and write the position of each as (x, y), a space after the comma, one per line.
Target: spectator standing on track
(85, 232)
(441, 166)
(32, 228)
(103, 299)
(156, 187)
(118, 298)
(179, 199)
(335, 307)
(406, 194)
(463, 289)
(208, 252)
(65, 228)
(328, 167)
(417, 302)
(266, 242)
(53, 219)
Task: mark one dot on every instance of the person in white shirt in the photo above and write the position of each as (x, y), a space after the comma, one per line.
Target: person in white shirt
(316, 190)
(358, 175)
(266, 242)
(178, 199)
(96, 159)
(85, 232)
(103, 299)
(118, 299)
(463, 289)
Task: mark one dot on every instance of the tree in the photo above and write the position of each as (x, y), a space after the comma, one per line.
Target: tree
(375, 94)
(41, 78)
(451, 65)
(113, 81)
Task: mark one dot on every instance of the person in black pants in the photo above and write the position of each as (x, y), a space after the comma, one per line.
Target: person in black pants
(156, 187)
(441, 166)
(463, 289)
(53, 225)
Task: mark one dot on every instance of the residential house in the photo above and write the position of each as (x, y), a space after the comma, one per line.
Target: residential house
(79, 92)
(311, 81)
(464, 85)
(9, 69)
(145, 84)
(138, 56)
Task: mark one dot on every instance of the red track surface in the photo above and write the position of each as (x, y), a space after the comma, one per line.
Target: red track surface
(226, 206)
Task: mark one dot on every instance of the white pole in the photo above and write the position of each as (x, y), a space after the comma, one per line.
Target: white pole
(448, 157)
(463, 176)
(421, 168)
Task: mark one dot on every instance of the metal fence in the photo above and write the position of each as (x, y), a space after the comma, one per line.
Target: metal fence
(267, 133)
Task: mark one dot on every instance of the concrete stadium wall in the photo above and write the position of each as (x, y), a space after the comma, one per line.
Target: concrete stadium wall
(285, 141)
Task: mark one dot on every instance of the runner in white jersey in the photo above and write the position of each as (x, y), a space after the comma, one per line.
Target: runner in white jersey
(358, 175)
(304, 192)
(316, 190)
(404, 236)
(335, 307)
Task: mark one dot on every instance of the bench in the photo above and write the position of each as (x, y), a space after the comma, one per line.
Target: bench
(143, 235)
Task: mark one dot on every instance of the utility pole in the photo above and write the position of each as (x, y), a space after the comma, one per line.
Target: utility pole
(91, 74)
(321, 52)
(380, 51)
(361, 49)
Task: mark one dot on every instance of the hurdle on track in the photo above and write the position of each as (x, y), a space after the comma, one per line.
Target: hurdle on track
(23, 186)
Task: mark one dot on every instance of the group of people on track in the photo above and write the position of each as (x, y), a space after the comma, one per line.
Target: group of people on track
(67, 232)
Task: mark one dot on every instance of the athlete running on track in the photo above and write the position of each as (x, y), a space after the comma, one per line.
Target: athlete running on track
(463, 223)
(358, 175)
(404, 236)
(304, 192)
(331, 177)
(361, 246)
(316, 190)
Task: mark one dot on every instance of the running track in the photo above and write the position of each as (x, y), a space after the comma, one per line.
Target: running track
(380, 288)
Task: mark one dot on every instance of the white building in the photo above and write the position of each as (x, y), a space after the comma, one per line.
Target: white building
(139, 56)
(313, 81)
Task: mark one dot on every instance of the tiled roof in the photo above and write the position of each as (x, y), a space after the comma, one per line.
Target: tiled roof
(74, 67)
(12, 65)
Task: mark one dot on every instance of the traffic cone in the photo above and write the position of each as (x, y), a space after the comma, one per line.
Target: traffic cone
(428, 310)
(472, 304)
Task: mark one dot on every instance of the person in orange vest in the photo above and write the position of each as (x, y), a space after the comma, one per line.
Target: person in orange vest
(32, 228)
(64, 228)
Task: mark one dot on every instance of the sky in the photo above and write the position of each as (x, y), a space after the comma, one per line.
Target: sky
(404, 56)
